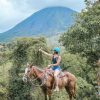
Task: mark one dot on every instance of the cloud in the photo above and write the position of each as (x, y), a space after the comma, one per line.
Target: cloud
(78, 4)
(10, 16)
(14, 11)
(38, 4)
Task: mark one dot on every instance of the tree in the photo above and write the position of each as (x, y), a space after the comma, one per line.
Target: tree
(25, 50)
(84, 36)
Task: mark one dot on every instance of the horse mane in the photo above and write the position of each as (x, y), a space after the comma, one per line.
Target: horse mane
(38, 68)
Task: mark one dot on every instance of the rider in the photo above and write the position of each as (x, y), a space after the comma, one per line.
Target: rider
(55, 65)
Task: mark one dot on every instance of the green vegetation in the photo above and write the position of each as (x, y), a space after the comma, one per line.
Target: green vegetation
(84, 36)
(25, 50)
(82, 46)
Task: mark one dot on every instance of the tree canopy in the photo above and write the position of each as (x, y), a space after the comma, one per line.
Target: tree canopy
(84, 36)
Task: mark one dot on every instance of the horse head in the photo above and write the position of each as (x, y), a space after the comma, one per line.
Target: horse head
(28, 73)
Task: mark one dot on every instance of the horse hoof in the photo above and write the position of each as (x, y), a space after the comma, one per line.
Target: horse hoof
(56, 90)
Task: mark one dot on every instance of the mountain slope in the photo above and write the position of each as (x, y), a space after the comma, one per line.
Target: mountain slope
(48, 21)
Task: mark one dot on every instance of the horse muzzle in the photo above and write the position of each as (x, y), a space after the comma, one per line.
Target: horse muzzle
(25, 79)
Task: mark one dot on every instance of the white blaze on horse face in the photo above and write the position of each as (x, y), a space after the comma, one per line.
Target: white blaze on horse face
(28, 64)
(25, 75)
(26, 70)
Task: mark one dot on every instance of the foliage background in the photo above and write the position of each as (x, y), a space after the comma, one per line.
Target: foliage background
(80, 50)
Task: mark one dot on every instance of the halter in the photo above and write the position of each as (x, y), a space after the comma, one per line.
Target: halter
(36, 78)
(45, 74)
(31, 79)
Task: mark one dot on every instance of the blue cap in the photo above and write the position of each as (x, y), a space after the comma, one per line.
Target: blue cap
(56, 49)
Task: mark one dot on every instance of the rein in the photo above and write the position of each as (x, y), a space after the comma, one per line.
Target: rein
(42, 72)
(36, 78)
(45, 74)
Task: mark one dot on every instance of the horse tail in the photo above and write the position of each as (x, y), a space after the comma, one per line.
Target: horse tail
(75, 89)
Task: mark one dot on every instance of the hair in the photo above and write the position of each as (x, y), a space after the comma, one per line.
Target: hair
(97, 58)
(55, 52)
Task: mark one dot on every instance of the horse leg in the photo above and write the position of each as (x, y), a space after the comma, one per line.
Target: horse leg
(71, 89)
(49, 93)
(45, 92)
(45, 96)
(67, 90)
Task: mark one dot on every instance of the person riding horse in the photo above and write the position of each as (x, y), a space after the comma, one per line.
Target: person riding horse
(55, 65)
(65, 80)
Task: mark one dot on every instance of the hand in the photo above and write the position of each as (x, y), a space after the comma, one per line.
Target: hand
(49, 65)
(39, 49)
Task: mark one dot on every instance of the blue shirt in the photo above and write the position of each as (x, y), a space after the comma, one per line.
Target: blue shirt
(54, 61)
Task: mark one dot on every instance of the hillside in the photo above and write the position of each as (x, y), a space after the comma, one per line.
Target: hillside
(49, 21)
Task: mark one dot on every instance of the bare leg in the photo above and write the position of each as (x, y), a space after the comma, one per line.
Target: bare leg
(56, 79)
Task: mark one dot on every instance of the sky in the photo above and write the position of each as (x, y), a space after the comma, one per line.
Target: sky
(14, 11)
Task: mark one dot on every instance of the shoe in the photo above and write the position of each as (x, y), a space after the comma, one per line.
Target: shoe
(56, 89)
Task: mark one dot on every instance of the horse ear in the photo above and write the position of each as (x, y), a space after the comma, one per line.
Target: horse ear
(28, 64)
(31, 65)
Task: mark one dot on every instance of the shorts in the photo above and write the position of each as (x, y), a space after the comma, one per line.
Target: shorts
(56, 68)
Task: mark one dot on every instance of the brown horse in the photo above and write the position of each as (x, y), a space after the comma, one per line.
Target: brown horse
(67, 81)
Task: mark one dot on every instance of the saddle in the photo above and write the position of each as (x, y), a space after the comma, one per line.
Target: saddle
(50, 72)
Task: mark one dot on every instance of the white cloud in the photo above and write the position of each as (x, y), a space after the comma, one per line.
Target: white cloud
(14, 11)
(73, 4)
(9, 15)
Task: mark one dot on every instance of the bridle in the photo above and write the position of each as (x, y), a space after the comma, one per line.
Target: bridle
(27, 77)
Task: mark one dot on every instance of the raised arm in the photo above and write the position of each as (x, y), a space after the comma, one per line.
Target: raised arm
(49, 55)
